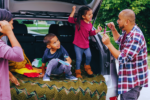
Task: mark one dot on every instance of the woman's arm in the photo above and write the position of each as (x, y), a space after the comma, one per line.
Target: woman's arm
(15, 53)
(13, 79)
(6, 29)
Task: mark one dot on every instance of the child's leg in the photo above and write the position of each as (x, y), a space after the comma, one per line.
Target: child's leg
(52, 66)
(87, 66)
(67, 70)
(88, 56)
(79, 51)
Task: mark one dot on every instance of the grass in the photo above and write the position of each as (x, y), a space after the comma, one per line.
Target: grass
(41, 31)
(34, 25)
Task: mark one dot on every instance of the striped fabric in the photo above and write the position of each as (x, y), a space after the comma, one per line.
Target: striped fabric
(133, 68)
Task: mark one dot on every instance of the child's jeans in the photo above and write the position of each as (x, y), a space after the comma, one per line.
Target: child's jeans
(54, 67)
(79, 52)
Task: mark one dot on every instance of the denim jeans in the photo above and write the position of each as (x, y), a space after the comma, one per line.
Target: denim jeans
(79, 52)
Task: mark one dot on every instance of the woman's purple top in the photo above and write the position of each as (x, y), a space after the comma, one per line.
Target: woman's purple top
(7, 53)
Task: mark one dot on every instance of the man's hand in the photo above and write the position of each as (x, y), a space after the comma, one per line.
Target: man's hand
(74, 8)
(42, 75)
(98, 29)
(5, 28)
(106, 40)
(111, 26)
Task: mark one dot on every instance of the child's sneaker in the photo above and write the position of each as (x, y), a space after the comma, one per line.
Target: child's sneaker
(46, 78)
(71, 77)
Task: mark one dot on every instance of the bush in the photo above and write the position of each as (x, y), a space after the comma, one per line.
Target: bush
(110, 9)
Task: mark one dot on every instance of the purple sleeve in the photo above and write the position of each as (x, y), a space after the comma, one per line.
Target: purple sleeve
(9, 53)
(14, 54)
(72, 20)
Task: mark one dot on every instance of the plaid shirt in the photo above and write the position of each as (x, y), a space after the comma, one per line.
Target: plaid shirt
(133, 68)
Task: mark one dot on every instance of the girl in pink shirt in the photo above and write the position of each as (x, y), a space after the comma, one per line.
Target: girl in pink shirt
(83, 29)
(13, 53)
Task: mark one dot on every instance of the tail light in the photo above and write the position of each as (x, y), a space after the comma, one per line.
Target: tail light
(113, 98)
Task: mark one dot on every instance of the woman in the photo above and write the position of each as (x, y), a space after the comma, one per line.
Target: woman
(13, 53)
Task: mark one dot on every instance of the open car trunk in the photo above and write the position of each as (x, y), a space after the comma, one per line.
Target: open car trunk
(51, 9)
(102, 64)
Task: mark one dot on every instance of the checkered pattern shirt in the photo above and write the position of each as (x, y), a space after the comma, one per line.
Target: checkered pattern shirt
(133, 68)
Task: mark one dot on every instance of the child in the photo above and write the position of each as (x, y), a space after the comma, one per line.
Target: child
(83, 29)
(13, 53)
(55, 50)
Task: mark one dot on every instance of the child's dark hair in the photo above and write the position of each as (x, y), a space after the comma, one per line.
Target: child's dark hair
(5, 15)
(82, 11)
(48, 38)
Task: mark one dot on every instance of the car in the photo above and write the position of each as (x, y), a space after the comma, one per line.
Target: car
(46, 16)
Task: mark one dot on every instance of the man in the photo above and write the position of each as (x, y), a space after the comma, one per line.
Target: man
(132, 55)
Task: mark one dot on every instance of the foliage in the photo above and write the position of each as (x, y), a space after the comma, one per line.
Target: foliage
(110, 9)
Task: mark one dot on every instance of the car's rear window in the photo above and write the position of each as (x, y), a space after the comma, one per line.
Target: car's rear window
(39, 26)
(79, 2)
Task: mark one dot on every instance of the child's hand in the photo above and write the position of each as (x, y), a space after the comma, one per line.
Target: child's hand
(42, 75)
(67, 62)
(74, 8)
(99, 28)
(5, 27)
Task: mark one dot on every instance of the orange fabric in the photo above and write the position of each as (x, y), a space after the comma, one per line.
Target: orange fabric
(18, 65)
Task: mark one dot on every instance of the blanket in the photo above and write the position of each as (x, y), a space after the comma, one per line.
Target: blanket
(59, 89)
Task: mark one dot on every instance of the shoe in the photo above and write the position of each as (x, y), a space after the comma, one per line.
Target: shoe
(78, 73)
(71, 77)
(88, 70)
(46, 78)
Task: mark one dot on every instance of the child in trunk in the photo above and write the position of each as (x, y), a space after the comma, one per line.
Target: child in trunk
(54, 52)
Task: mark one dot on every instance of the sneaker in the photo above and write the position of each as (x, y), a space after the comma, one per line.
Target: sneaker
(46, 78)
(71, 77)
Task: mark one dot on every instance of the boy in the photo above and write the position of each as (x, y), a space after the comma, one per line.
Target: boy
(53, 51)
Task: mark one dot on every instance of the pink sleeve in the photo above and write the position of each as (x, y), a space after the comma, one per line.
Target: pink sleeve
(72, 20)
(11, 53)
(92, 32)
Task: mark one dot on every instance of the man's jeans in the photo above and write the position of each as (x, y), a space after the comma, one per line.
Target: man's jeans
(133, 94)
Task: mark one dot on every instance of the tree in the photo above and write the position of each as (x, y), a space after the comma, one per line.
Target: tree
(110, 9)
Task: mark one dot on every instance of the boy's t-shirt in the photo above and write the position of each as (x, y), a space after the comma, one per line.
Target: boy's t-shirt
(60, 53)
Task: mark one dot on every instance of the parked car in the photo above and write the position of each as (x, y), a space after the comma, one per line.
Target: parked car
(33, 12)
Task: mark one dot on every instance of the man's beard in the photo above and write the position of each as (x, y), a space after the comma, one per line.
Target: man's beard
(121, 27)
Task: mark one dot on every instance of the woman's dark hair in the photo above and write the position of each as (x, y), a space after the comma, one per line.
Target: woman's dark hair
(82, 11)
(5, 15)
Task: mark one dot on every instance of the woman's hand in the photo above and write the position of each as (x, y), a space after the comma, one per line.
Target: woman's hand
(13, 79)
(5, 28)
